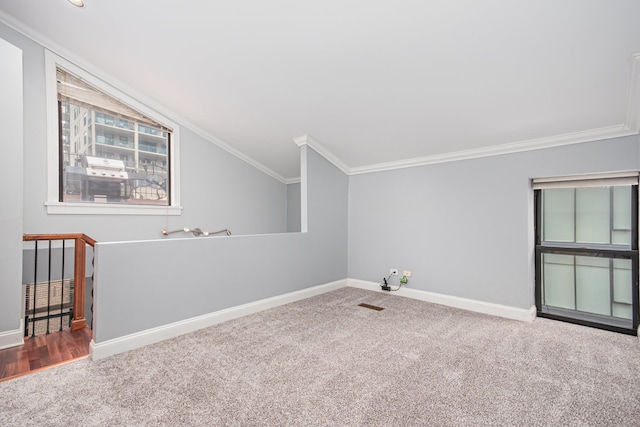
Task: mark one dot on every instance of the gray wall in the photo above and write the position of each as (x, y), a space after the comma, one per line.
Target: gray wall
(217, 189)
(465, 228)
(221, 191)
(11, 177)
(293, 207)
(141, 285)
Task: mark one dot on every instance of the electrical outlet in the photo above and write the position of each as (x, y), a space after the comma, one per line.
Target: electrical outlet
(393, 271)
(406, 273)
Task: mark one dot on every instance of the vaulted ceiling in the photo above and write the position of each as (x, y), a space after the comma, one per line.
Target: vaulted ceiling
(376, 82)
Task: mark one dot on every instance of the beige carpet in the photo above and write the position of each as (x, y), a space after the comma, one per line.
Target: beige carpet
(327, 361)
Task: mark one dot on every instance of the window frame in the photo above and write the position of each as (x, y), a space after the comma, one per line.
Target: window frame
(610, 251)
(53, 204)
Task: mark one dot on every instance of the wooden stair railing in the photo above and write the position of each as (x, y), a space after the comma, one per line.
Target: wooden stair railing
(81, 240)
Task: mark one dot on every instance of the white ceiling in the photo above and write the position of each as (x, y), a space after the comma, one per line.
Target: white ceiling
(373, 81)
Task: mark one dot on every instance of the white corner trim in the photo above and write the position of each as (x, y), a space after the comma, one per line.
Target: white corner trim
(514, 313)
(108, 348)
(332, 158)
(301, 140)
(304, 223)
(12, 338)
(296, 180)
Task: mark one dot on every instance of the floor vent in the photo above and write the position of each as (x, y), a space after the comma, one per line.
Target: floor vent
(372, 307)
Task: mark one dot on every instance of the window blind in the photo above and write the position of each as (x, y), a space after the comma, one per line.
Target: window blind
(76, 91)
(596, 180)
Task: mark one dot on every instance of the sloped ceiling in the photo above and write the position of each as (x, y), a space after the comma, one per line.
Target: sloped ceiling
(372, 81)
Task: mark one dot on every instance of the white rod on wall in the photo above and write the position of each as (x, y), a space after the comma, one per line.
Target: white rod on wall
(197, 231)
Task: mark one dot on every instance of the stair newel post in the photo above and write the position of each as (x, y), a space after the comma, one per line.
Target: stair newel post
(79, 321)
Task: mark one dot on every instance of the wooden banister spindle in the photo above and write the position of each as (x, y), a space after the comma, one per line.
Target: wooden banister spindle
(80, 254)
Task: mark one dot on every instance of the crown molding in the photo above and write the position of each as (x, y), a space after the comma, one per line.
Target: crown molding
(295, 180)
(629, 128)
(332, 158)
(631, 125)
(496, 150)
(59, 50)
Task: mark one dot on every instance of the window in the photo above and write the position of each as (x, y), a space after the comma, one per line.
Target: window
(107, 152)
(587, 250)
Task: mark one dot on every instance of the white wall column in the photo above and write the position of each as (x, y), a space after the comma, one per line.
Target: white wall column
(11, 176)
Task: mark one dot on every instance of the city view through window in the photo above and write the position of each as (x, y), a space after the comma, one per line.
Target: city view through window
(109, 158)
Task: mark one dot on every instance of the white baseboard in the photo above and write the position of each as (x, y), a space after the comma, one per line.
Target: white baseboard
(453, 301)
(12, 338)
(108, 348)
(150, 336)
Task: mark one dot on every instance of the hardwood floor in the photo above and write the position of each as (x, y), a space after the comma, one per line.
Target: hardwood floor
(44, 351)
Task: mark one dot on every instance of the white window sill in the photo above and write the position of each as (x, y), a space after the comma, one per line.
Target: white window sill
(58, 208)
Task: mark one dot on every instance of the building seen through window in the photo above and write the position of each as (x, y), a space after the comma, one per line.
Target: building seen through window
(112, 154)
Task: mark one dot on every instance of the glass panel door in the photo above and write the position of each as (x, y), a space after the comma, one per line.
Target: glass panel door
(587, 257)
